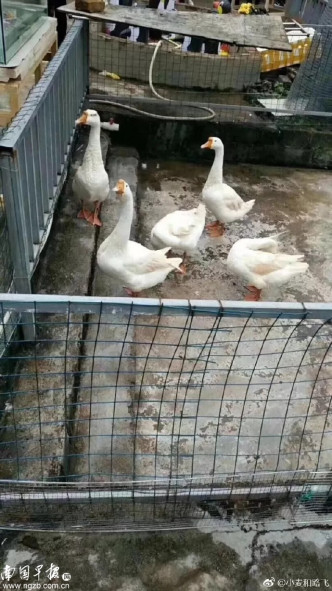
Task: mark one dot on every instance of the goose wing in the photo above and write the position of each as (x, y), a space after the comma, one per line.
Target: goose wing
(141, 260)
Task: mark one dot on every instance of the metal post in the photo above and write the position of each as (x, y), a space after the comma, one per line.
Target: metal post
(16, 223)
(86, 55)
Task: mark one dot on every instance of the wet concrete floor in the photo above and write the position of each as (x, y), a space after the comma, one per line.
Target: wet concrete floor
(208, 435)
(194, 560)
(297, 201)
(255, 397)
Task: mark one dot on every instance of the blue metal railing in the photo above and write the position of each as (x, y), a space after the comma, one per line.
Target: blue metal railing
(34, 152)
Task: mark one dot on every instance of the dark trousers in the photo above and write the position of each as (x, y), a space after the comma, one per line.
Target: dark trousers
(196, 43)
(146, 34)
(121, 29)
(60, 16)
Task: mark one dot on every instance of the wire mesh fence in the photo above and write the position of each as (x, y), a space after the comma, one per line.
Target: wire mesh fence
(306, 12)
(185, 77)
(156, 413)
(227, 503)
(6, 265)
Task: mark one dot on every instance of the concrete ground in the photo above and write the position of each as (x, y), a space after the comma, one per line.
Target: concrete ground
(220, 425)
(294, 200)
(194, 560)
(258, 394)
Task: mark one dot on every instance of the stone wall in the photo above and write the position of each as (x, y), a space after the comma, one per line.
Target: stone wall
(172, 67)
(265, 143)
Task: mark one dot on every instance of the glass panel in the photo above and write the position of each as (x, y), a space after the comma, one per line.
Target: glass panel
(2, 42)
(20, 21)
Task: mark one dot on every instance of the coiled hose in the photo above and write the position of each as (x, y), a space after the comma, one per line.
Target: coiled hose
(210, 113)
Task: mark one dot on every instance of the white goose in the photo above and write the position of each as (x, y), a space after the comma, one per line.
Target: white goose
(181, 230)
(91, 183)
(136, 266)
(259, 262)
(219, 197)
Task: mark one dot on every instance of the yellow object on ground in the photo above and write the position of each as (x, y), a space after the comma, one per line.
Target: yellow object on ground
(110, 75)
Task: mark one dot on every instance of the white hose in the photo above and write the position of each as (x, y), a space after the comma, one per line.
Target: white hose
(211, 113)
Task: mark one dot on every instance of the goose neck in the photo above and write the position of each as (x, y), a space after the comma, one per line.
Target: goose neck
(93, 151)
(216, 172)
(121, 233)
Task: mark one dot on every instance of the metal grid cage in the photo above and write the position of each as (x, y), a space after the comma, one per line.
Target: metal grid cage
(229, 503)
(162, 405)
(210, 80)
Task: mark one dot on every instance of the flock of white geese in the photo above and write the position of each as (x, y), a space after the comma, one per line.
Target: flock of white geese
(256, 260)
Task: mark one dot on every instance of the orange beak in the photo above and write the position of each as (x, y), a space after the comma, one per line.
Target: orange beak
(208, 144)
(83, 119)
(120, 187)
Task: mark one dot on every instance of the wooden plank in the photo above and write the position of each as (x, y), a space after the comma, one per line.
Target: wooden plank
(12, 97)
(243, 30)
(14, 92)
(39, 71)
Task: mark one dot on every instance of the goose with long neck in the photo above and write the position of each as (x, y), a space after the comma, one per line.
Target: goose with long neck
(216, 174)
(128, 262)
(220, 198)
(91, 183)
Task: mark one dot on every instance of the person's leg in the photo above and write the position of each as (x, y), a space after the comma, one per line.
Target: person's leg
(121, 29)
(144, 33)
(195, 45)
(52, 6)
(154, 35)
(211, 47)
(143, 36)
(62, 26)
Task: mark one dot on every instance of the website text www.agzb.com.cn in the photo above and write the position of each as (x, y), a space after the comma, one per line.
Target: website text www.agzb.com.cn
(37, 586)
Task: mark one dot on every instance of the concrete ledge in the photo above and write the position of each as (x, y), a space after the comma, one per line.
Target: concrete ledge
(268, 143)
